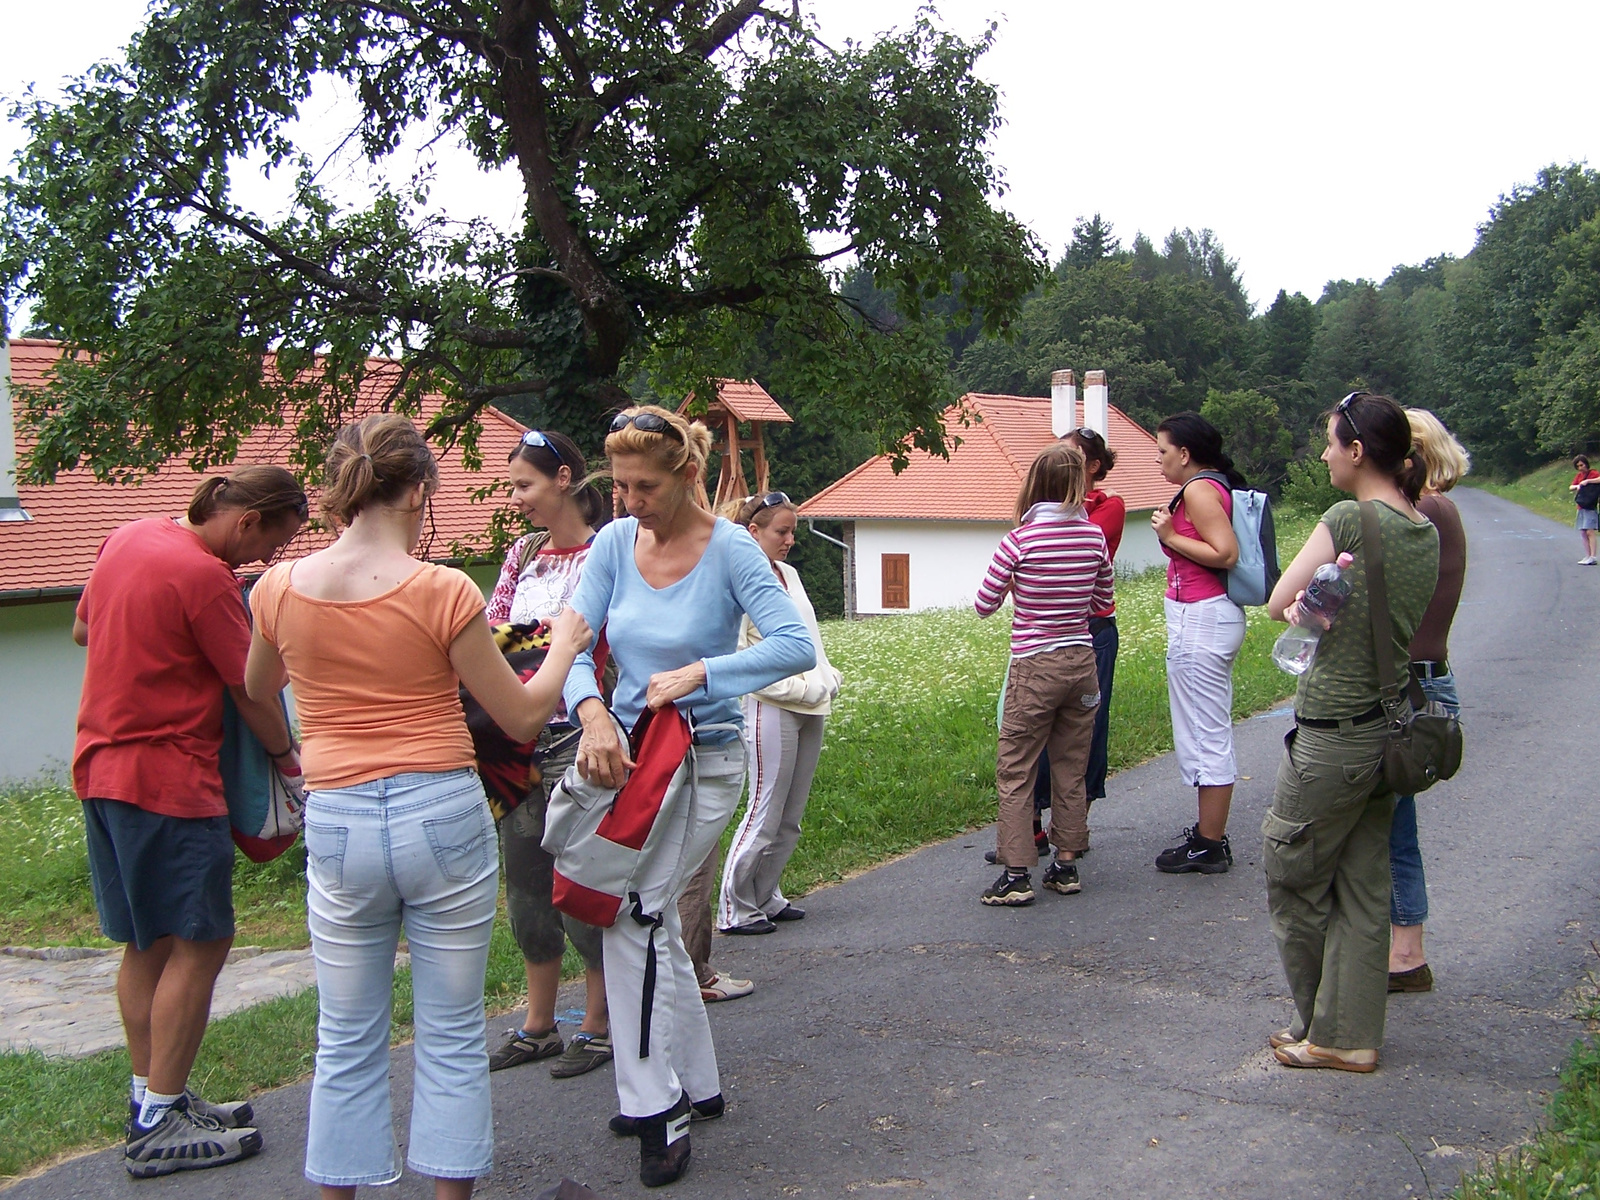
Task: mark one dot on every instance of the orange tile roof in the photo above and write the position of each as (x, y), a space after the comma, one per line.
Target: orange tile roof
(72, 516)
(981, 478)
(745, 399)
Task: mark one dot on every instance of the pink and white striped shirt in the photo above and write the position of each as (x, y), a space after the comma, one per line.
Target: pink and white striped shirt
(1057, 570)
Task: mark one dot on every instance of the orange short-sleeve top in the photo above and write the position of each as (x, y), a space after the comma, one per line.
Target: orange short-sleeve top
(374, 689)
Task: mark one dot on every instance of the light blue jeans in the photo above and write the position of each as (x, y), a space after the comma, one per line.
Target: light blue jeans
(413, 851)
(1408, 903)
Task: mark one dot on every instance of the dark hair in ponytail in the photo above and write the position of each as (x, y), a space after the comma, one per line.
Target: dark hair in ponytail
(548, 460)
(270, 491)
(1192, 432)
(375, 461)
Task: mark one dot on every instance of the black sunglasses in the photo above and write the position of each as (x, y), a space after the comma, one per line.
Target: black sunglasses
(1084, 434)
(649, 422)
(1342, 409)
(771, 500)
(534, 438)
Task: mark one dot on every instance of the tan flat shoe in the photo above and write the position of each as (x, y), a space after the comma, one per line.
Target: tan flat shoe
(1283, 1038)
(1304, 1054)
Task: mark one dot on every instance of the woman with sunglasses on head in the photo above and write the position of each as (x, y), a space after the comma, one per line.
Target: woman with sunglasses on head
(397, 826)
(784, 724)
(540, 575)
(1204, 630)
(1438, 462)
(671, 583)
(1326, 850)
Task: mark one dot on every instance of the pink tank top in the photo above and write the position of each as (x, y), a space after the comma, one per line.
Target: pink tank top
(1187, 580)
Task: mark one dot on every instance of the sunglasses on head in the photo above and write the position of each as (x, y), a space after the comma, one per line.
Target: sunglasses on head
(1084, 434)
(1342, 409)
(534, 438)
(771, 500)
(647, 421)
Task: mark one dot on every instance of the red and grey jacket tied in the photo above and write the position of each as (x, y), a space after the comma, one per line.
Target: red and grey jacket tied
(623, 849)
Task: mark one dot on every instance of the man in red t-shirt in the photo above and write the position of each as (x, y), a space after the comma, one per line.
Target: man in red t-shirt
(166, 630)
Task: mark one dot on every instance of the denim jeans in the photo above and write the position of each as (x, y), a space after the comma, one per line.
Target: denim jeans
(412, 851)
(1409, 903)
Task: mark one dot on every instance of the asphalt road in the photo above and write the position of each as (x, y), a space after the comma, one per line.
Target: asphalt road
(904, 1040)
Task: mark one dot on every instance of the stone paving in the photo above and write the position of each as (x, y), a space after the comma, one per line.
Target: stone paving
(63, 999)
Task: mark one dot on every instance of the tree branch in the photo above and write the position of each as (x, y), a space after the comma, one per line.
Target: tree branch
(477, 397)
(568, 48)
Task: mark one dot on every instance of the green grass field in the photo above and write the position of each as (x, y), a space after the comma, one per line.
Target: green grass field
(1545, 491)
(909, 759)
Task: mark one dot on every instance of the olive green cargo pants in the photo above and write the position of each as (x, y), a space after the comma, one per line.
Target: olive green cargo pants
(1326, 855)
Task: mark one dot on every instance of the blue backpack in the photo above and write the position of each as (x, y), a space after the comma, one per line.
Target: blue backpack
(1250, 580)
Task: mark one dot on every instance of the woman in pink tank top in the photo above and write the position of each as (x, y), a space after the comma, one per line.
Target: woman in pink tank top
(1204, 630)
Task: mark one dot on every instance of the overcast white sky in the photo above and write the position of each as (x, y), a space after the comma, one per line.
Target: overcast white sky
(1318, 140)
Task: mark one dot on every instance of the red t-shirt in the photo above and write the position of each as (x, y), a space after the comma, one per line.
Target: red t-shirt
(1110, 514)
(167, 633)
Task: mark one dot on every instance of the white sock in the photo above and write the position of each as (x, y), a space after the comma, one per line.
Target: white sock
(155, 1107)
(141, 1084)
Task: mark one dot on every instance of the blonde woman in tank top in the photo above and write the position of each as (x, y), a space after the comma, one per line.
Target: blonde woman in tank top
(398, 831)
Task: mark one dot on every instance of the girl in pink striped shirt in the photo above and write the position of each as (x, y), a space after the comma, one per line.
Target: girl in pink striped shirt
(1056, 568)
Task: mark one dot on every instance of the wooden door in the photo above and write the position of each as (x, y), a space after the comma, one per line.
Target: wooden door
(896, 581)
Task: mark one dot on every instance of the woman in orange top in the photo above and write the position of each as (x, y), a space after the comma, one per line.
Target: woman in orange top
(398, 831)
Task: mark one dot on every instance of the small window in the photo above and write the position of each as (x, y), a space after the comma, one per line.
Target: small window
(896, 581)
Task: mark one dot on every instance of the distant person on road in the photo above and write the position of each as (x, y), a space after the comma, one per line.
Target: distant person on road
(540, 575)
(1438, 462)
(398, 833)
(1585, 489)
(1326, 836)
(671, 583)
(165, 625)
(783, 726)
(1056, 568)
(1204, 630)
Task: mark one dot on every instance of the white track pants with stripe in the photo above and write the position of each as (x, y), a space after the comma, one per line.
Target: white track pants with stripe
(784, 749)
(682, 1058)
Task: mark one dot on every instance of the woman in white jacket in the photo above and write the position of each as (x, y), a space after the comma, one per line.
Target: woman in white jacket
(783, 725)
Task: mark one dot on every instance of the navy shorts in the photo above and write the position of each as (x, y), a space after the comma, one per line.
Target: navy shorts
(156, 876)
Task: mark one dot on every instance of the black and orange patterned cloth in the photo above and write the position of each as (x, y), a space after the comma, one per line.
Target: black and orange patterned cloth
(510, 770)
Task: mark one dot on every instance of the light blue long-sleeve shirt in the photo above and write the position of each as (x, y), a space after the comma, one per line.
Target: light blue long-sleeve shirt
(662, 629)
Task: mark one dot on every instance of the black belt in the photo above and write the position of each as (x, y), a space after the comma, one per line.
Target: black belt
(1424, 669)
(1375, 713)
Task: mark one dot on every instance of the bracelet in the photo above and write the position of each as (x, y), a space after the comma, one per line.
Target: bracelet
(285, 754)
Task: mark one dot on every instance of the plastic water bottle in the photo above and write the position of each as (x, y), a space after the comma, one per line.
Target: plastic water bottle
(1325, 596)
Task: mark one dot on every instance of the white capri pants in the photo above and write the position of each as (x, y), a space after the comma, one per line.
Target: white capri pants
(784, 749)
(682, 1058)
(1203, 639)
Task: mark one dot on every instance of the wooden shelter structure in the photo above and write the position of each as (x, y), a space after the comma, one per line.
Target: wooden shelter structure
(739, 401)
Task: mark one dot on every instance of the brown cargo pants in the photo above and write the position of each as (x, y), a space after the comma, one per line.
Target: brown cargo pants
(1051, 702)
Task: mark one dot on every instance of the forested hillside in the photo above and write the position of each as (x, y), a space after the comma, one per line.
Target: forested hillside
(1504, 344)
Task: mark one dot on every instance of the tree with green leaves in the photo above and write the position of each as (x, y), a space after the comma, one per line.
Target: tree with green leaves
(1254, 434)
(693, 172)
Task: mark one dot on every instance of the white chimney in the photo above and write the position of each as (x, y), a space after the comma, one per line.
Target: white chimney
(1063, 403)
(1097, 403)
(10, 506)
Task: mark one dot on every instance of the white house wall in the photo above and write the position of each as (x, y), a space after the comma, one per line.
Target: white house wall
(948, 558)
(41, 673)
(41, 678)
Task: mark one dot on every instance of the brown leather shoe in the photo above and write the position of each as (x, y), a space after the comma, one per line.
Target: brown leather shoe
(1304, 1054)
(1418, 979)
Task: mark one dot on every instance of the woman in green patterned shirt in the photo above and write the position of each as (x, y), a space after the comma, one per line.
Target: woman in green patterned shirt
(1326, 835)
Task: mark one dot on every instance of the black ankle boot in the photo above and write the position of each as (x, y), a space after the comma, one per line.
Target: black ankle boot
(664, 1145)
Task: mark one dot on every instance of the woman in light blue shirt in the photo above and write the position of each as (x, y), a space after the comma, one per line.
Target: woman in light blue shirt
(670, 583)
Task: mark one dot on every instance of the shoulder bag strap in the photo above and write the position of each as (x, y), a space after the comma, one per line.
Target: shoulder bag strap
(536, 542)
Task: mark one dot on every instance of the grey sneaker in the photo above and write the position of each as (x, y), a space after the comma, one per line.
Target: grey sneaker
(584, 1053)
(233, 1114)
(524, 1047)
(185, 1141)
